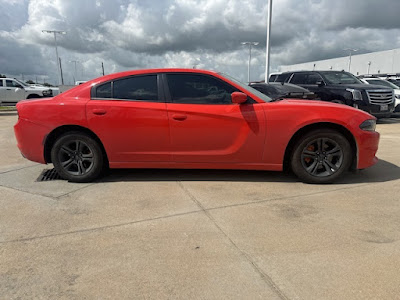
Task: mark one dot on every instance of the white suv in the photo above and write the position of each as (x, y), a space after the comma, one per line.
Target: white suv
(12, 90)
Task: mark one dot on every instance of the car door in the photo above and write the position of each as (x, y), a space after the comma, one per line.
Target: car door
(2, 91)
(206, 127)
(14, 92)
(129, 115)
(310, 81)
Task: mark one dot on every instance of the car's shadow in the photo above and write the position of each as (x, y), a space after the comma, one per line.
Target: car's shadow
(383, 171)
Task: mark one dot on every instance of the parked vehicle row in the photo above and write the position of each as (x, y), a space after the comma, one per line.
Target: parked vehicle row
(186, 118)
(13, 90)
(344, 88)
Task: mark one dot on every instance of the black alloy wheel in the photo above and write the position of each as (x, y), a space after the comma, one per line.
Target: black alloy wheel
(77, 157)
(321, 156)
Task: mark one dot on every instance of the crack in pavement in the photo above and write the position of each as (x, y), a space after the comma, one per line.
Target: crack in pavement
(262, 274)
(286, 197)
(97, 228)
(19, 169)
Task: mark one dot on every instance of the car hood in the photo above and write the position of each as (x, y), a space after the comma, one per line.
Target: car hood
(324, 104)
(37, 88)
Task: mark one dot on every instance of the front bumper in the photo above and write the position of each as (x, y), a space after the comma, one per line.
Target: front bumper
(376, 110)
(368, 142)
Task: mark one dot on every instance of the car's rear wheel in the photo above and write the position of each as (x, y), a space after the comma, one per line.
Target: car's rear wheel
(321, 156)
(77, 157)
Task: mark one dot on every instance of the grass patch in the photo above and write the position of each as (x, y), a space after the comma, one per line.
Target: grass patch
(6, 108)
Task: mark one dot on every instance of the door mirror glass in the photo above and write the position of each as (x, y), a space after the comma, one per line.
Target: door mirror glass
(239, 98)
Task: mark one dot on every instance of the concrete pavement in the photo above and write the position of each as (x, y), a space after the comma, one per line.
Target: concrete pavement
(184, 234)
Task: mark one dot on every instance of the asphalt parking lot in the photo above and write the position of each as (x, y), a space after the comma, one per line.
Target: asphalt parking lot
(190, 234)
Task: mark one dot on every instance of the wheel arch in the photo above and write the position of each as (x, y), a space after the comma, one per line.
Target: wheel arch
(33, 96)
(304, 130)
(57, 132)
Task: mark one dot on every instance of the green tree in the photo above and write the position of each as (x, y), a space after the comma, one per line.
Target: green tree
(2, 76)
(30, 82)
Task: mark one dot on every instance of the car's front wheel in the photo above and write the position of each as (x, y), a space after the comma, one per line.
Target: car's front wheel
(321, 156)
(77, 157)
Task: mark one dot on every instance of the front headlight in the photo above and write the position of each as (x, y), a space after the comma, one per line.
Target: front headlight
(355, 93)
(47, 93)
(368, 125)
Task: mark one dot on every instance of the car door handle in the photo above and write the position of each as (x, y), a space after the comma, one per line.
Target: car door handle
(99, 112)
(179, 117)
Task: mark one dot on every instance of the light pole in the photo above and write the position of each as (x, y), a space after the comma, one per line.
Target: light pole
(74, 61)
(55, 32)
(369, 66)
(250, 44)
(350, 52)
(268, 48)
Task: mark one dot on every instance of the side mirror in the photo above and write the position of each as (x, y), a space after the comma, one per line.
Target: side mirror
(320, 83)
(239, 98)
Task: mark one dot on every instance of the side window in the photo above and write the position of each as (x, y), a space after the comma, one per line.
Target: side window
(104, 90)
(299, 78)
(11, 83)
(199, 89)
(1, 82)
(136, 88)
(313, 78)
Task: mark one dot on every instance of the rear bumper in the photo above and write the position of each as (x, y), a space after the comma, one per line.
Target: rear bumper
(30, 139)
(367, 147)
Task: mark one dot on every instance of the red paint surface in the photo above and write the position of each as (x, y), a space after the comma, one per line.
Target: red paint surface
(138, 134)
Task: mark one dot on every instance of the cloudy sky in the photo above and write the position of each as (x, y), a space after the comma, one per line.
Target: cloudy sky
(135, 34)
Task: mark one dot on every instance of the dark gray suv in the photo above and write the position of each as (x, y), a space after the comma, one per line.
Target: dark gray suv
(343, 87)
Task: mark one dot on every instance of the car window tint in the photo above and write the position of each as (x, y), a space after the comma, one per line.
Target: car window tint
(272, 78)
(313, 78)
(136, 88)
(11, 83)
(1, 82)
(199, 89)
(104, 90)
(299, 78)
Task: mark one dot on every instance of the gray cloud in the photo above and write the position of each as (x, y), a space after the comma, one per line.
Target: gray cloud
(132, 34)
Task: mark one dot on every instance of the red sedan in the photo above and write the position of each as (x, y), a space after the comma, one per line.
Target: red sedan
(185, 118)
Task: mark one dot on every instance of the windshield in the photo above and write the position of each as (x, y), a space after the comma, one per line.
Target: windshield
(248, 88)
(382, 82)
(340, 78)
(394, 81)
(20, 82)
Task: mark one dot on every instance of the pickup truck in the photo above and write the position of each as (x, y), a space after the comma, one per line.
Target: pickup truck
(13, 90)
(344, 88)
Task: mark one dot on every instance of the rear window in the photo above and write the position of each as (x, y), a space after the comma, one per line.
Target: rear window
(104, 91)
(283, 77)
(136, 88)
(139, 88)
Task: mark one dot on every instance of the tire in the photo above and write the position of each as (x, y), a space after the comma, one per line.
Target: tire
(321, 156)
(77, 157)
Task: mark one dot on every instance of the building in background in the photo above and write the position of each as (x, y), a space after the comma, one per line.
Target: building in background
(381, 62)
